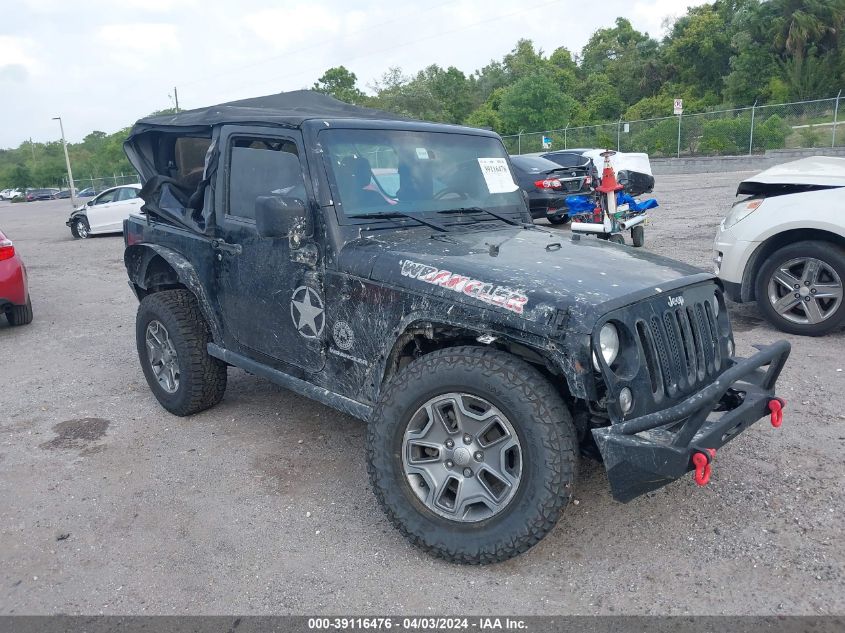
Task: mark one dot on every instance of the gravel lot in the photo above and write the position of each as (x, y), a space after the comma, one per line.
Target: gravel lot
(261, 505)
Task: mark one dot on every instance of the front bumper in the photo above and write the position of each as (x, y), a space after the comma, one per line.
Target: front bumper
(648, 452)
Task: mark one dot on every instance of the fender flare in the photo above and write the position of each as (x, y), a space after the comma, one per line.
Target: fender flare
(552, 352)
(137, 259)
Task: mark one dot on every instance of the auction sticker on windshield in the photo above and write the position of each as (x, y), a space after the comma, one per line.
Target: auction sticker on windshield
(497, 175)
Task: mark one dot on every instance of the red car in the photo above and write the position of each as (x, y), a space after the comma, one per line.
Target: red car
(14, 292)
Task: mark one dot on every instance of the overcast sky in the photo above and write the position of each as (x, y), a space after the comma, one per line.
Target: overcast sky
(102, 64)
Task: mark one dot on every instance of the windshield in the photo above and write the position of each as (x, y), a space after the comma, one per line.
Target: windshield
(397, 172)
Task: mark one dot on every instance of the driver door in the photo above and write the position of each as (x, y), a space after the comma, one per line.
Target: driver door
(271, 304)
(99, 211)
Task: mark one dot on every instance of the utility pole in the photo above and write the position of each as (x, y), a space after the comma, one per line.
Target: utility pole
(751, 136)
(67, 161)
(680, 114)
(835, 120)
(176, 98)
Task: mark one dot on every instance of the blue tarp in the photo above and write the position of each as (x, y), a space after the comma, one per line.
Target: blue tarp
(635, 205)
(585, 204)
(580, 204)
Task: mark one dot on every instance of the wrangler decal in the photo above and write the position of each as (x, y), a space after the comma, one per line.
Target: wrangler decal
(502, 296)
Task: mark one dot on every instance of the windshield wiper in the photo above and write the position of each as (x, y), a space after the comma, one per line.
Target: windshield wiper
(498, 216)
(398, 214)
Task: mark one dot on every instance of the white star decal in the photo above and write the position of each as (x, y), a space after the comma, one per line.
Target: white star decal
(306, 310)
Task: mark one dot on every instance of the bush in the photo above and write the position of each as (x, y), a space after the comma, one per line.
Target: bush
(772, 133)
(726, 136)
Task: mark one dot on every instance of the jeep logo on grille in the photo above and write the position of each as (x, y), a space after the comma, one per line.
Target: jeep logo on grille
(676, 301)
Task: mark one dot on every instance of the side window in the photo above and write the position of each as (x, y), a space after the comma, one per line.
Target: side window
(262, 167)
(106, 197)
(189, 156)
(126, 193)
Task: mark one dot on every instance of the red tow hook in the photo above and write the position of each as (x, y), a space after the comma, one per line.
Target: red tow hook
(776, 406)
(702, 460)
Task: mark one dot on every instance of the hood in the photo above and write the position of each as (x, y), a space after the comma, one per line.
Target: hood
(816, 171)
(524, 273)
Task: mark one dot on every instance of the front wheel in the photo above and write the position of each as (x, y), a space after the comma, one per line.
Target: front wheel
(79, 228)
(800, 288)
(558, 219)
(472, 454)
(172, 337)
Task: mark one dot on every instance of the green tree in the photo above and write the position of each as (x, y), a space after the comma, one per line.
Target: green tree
(341, 84)
(534, 103)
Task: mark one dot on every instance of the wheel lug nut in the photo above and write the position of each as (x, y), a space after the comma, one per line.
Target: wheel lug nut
(478, 456)
(797, 296)
(467, 438)
(797, 286)
(813, 291)
(449, 463)
(806, 298)
(467, 472)
(449, 443)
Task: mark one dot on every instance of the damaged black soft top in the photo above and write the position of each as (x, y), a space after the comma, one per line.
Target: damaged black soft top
(180, 199)
(287, 109)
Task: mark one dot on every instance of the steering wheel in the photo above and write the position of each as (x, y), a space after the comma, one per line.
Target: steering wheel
(450, 191)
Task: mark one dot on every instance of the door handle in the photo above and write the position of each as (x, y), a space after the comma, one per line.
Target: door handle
(232, 249)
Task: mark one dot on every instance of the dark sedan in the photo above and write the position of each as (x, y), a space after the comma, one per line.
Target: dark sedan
(40, 194)
(549, 185)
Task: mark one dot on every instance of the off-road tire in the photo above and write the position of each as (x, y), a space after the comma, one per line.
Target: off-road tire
(20, 315)
(202, 381)
(832, 255)
(638, 236)
(549, 453)
(617, 238)
(558, 219)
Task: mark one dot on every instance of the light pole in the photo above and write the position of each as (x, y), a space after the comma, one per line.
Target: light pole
(67, 162)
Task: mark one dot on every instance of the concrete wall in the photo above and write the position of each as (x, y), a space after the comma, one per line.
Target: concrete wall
(755, 162)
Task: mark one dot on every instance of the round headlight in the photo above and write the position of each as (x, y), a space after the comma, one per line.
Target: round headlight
(626, 400)
(608, 344)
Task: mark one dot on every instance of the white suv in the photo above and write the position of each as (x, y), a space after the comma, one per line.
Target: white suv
(784, 245)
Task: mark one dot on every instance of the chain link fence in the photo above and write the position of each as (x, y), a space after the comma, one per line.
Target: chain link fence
(738, 131)
(99, 184)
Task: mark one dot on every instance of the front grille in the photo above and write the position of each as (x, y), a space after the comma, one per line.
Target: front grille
(681, 348)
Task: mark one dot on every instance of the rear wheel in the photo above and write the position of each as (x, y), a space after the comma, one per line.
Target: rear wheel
(472, 454)
(617, 238)
(172, 337)
(20, 315)
(558, 219)
(638, 235)
(800, 288)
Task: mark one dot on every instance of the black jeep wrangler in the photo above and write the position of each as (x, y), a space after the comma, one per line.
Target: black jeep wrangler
(389, 268)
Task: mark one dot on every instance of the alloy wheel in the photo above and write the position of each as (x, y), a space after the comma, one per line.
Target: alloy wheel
(462, 457)
(162, 356)
(805, 290)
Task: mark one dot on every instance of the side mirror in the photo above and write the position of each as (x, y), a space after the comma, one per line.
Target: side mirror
(275, 216)
(90, 203)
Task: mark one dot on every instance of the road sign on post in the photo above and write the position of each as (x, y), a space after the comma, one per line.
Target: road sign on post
(547, 142)
(679, 106)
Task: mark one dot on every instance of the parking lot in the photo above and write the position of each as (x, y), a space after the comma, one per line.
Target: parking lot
(262, 505)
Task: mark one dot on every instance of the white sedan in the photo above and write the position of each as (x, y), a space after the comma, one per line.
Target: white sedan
(784, 245)
(106, 212)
